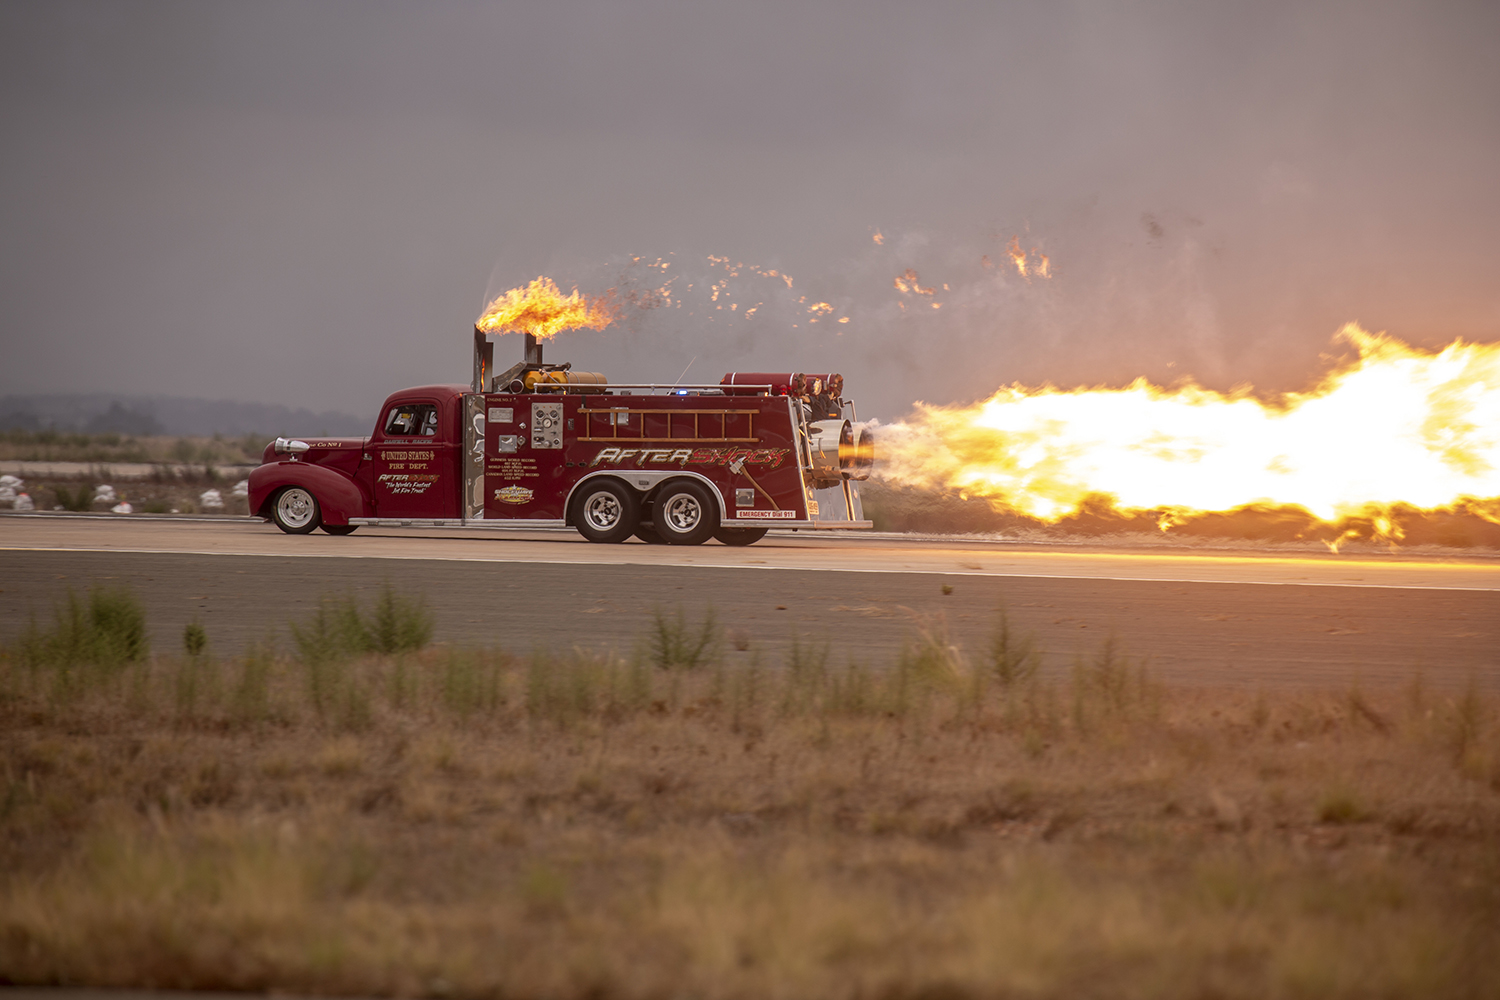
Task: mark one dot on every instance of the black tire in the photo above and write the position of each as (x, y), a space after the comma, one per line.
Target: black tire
(740, 536)
(295, 510)
(340, 529)
(685, 513)
(648, 534)
(645, 530)
(606, 510)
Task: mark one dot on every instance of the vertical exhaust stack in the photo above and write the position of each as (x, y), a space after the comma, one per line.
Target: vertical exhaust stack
(484, 361)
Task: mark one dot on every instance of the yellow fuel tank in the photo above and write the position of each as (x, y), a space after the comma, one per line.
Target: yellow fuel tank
(571, 378)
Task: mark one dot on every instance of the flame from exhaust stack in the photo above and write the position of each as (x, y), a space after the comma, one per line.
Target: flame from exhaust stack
(542, 310)
(1397, 427)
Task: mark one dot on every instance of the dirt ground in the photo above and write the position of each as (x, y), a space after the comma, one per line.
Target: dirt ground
(571, 825)
(642, 780)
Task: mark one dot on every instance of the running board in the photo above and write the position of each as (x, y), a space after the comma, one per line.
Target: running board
(457, 522)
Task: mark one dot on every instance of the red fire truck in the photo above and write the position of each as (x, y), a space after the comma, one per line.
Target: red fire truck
(541, 445)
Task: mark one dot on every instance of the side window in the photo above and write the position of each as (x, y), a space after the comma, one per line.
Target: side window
(411, 419)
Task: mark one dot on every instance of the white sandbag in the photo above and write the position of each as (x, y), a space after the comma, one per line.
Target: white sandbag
(211, 498)
(241, 489)
(123, 507)
(23, 502)
(105, 493)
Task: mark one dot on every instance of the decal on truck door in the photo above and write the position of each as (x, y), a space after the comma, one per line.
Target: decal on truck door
(408, 471)
(395, 483)
(414, 464)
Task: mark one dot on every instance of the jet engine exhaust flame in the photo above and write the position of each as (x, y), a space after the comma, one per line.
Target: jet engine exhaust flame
(1397, 428)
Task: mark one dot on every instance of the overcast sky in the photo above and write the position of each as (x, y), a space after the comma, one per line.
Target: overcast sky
(306, 203)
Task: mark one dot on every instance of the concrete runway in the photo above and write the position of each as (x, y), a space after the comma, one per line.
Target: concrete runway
(1256, 618)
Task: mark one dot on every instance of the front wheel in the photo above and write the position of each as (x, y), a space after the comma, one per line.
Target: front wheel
(740, 536)
(295, 511)
(685, 513)
(606, 511)
(340, 529)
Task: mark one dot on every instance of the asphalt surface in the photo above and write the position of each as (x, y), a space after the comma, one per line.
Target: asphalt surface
(1242, 618)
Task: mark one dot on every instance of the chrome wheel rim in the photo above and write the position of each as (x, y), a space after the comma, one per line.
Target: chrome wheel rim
(602, 510)
(295, 508)
(684, 512)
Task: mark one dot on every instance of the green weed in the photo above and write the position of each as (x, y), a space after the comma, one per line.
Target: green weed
(339, 629)
(399, 623)
(678, 645)
(194, 639)
(105, 630)
(79, 499)
(335, 631)
(932, 659)
(1013, 658)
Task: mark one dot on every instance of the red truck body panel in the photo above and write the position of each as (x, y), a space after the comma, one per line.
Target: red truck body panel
(530, 473)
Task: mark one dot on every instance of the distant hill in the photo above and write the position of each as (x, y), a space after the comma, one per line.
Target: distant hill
(174, 415)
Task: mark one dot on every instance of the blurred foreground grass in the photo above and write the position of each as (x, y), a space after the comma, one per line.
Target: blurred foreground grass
(370, 816)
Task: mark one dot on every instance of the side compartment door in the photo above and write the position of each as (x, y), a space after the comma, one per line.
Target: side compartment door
(415, 459)
(524, 477)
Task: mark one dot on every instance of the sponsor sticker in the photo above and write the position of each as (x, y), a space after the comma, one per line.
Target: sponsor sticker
(760, 515)
(401, 482)
(514, 494)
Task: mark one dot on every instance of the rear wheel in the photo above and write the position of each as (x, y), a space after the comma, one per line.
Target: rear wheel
(740, 536)
(645, 530)
(649, 535)
(606, 511)
(295, 511)
(340, 529)
(685, 513)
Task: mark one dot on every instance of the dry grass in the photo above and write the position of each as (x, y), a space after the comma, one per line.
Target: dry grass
(475, 823)
(72, 446)
(184, 467)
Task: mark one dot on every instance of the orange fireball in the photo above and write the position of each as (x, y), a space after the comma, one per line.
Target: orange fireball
(542, 310)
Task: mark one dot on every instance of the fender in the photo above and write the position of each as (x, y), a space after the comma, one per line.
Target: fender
(339, 497)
